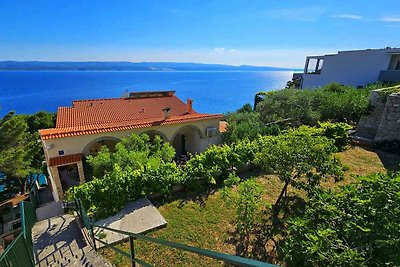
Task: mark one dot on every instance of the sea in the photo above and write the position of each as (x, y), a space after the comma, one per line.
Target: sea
(27, 92)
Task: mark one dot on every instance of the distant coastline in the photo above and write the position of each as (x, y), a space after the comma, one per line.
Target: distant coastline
(127, 66)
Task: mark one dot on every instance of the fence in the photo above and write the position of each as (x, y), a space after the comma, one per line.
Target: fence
(34, 197)
(20, 251)
(230, 259)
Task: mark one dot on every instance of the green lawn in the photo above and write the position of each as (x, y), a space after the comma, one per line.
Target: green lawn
(206, 222)
(193, 222)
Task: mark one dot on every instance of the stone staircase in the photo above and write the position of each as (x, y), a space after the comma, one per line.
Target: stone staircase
(58, 241)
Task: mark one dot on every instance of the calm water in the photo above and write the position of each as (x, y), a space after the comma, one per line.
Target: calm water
(213, 92)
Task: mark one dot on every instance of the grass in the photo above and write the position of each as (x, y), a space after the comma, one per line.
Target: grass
(205, 221)
(364, 161)
(191, 222)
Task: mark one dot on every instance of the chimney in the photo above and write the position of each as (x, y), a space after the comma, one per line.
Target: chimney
(167, 113)
(189, 105)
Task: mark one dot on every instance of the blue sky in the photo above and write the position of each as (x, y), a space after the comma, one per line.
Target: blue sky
(275, 33)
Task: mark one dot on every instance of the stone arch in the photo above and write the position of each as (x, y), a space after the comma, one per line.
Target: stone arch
(155, 132)
(100, 141)
(187, 139)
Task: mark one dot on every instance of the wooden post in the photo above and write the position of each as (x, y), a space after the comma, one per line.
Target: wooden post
(132, 250)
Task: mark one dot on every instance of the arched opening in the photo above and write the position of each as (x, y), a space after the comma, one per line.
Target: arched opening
(93, 149)
(152, 134)
(187, 140)
(94, 146)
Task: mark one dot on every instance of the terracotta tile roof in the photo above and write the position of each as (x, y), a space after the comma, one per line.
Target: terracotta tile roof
(87, 112)
(120, 126)
(63, 160)
(120, 114)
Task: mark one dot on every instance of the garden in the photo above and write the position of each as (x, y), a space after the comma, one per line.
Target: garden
(286, 187)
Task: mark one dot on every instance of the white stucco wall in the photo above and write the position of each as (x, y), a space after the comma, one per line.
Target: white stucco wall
(354, 68)
(76, 144)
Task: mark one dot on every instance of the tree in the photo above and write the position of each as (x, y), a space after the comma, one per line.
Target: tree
(299, 159)
(245, 109)
(15, 148)
(247, 202)
(248, 125)
(136, 169)
(294, 83)
(332, 102)
(357, 225)
(35, 122)
(40, 120)
(135, 152)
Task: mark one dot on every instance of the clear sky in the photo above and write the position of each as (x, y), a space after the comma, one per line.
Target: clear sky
(274, 33)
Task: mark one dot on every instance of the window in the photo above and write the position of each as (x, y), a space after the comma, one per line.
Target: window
(314, 65)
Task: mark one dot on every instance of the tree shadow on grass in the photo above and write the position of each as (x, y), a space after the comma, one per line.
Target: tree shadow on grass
(390, 161)
(270, 232)
(238, 240)
(199, 195)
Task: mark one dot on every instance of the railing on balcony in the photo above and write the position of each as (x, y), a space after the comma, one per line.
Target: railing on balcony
(20, 251)
(89, 225)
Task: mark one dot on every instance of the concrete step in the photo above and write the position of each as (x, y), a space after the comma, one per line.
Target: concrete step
(49, 210)
(58, 241)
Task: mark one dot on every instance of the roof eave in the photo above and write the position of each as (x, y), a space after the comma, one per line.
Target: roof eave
(56, 133)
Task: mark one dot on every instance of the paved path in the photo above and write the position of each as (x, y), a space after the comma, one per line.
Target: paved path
(58, 241)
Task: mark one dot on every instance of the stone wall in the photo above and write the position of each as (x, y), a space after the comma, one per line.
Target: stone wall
(383, 122)
(389, 128)
(369, 124)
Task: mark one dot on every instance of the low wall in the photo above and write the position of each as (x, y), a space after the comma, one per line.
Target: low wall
(389, 128)
(369, 124)
(383, 121)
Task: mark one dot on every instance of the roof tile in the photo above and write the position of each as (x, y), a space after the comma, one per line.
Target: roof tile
(119, 114)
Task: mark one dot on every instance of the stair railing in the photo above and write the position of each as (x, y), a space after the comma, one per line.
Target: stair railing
(20, 251)
(89, 225)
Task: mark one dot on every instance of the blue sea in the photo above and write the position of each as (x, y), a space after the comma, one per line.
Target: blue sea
(213, 92)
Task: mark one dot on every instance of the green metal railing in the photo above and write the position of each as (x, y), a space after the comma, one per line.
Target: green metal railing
(89, 225)
(34, 197)
(20, 251)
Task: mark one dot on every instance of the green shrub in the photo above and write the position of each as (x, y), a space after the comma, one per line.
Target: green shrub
(216, 163)
(247, 200)
(212, 165)
(339, 132)
(300, 158)
(357, 226)
(136, 169)
(289, 104)
(246, 124)
(333, 102)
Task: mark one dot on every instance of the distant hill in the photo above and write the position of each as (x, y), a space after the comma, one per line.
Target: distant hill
(132, 66)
